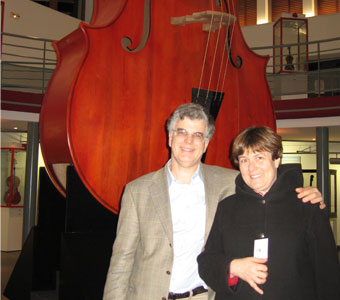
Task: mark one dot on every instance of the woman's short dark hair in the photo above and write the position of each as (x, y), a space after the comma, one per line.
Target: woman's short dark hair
(192, 111)
(257, 139)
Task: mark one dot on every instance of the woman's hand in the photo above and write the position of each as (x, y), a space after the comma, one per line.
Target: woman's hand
(250, 269)
(311, 194)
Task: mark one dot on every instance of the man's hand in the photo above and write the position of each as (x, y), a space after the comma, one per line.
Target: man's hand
(250, 269)
(310, 194)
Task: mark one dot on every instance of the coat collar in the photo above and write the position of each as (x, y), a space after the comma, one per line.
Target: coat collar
(159, 192)
(211, 205)
(289, 177)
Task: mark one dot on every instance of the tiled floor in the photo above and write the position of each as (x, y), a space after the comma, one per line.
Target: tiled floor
(8, 260)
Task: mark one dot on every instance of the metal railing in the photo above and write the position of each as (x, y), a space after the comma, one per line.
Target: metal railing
(316, 69)
(28, 64)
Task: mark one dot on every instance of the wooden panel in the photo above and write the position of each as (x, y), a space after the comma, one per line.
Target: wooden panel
(285, 6)
(247, 12)
(328, 7)
(295, 7)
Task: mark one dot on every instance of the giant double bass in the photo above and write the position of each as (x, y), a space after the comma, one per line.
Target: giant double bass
(118, 79)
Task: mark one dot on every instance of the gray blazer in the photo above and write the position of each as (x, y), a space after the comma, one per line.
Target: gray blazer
(142, 255)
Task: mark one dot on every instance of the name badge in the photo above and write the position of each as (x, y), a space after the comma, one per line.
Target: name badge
(261, 248)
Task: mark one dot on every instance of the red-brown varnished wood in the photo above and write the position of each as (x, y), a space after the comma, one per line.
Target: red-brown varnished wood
(117, 101)
(52, 125)
(71, 52)
(247, 101)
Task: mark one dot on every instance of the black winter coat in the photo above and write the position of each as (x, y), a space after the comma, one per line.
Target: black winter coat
(302, 258)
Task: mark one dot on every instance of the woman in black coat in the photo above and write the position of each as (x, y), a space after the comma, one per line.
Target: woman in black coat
(271, 245)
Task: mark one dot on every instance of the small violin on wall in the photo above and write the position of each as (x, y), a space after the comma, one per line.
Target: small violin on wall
(16, 197)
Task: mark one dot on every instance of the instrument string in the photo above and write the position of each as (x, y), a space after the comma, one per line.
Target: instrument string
(206, 50)
(215, 53)
(227, 47)
(222, 66)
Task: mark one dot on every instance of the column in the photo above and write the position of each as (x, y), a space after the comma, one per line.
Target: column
(322, 165)
(31, 175)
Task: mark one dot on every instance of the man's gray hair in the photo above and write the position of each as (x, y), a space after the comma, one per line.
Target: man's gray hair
(192, 111)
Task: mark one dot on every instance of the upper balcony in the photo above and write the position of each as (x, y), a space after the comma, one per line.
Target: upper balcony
(28, 64)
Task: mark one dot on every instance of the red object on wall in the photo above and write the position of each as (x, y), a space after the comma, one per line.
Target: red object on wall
(107, 103)
(12, 196)
(21, 101)
(308, 108)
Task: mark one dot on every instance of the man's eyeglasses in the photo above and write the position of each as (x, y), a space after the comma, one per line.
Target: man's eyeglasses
(197, 136)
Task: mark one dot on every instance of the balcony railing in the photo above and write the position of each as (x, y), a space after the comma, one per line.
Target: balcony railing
(312, 74)
(28, 64)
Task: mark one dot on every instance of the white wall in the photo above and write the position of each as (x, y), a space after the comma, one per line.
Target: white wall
(324, 27)
(37, 20)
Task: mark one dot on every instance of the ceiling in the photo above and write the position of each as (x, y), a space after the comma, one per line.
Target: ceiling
(9, 125)
(287, 134)
(307, 133)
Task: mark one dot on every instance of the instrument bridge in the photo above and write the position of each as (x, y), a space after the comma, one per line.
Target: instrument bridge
(212, 20)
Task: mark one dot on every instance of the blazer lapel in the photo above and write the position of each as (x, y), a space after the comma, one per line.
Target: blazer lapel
(211, 198)
(159, 192)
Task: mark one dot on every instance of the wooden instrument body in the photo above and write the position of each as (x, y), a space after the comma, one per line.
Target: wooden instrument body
(106, 107)
(12, 195)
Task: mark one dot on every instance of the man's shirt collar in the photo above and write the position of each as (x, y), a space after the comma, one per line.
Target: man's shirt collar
(171, 178)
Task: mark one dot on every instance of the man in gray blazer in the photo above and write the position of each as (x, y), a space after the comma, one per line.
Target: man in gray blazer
(166, 216)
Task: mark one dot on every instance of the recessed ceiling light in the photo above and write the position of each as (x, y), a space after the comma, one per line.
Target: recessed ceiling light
(15, 128)
(15, 15)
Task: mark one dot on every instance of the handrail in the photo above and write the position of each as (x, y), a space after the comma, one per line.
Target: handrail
(295, 44)
(28, 63)
(26, 37)
(318, 51)
(304, 82)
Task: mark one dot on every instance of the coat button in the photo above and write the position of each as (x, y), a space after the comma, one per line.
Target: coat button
(168, 272)
(261, 235)
(263, 201)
